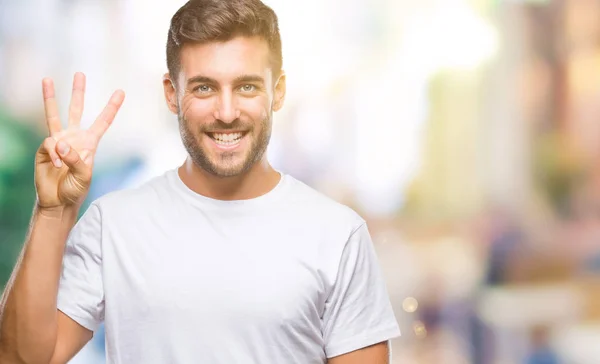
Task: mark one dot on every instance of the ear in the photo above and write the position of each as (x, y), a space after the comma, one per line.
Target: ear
(170, 93)
(279, 92)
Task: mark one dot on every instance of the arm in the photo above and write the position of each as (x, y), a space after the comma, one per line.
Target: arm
(32, 330)
(358, 318)
(374, 354)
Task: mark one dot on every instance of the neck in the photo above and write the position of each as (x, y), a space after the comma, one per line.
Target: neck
(257, 181)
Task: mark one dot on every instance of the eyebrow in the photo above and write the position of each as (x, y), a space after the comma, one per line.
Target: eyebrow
(249, 78)
(239, 79)
(200, 79)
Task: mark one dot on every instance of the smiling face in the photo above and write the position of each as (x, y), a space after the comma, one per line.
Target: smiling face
(225, 97)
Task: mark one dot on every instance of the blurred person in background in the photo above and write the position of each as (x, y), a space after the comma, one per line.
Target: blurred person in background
(541, 351)
(222, 260)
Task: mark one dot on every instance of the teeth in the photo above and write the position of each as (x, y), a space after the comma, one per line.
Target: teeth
(227, 139)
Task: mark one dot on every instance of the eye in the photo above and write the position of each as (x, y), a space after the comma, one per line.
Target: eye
(203, 88)
(248, 88)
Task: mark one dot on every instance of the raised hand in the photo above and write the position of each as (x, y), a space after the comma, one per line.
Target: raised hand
(64, 161)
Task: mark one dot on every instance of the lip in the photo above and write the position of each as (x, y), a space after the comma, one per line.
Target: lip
(228, 147)
(226, 131)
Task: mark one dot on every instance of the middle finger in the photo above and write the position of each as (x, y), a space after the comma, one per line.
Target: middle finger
(77, 99)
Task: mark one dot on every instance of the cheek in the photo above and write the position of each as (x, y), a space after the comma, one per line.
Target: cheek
(195, 110)
(257, 109)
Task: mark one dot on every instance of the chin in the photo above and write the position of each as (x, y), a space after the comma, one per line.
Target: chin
(226, 169)
(226, 172)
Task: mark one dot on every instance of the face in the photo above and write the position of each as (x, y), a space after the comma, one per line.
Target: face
(224, 99)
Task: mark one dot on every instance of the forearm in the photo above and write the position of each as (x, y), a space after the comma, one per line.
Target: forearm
(375, 354)
(28, 307)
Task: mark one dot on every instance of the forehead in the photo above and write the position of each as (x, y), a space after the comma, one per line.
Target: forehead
(226, 60)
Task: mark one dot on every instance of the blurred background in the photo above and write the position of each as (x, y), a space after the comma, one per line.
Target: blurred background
(466, 132)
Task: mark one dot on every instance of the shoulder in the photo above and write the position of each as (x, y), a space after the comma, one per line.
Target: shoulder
(316, 206)
(135, 199)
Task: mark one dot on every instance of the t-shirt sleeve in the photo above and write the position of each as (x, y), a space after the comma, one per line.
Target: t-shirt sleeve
(81, 290)
(358, 312)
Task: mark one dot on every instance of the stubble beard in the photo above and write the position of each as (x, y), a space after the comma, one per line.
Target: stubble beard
(225, 166)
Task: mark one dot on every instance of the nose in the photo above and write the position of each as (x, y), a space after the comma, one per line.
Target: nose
(226, 109)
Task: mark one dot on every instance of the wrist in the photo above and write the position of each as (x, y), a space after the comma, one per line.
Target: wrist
(57, 212)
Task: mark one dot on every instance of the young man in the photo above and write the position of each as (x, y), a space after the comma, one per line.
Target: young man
(222, 260)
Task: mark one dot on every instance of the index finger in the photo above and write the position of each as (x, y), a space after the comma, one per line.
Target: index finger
(51, 107)
(107, 116)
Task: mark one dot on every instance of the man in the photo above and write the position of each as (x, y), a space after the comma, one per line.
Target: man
(222, 260)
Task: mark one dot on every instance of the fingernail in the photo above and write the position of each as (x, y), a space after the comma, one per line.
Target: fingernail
(63, 148)
(58, 163)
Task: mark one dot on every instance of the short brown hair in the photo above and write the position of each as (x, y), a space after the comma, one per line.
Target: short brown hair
(201, 21)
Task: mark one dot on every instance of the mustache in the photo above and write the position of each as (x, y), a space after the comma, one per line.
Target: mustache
(218, 125)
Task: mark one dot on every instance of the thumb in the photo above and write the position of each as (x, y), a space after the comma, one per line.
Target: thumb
(71, 158)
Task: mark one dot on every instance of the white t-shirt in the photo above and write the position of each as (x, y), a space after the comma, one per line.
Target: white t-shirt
(288, 277)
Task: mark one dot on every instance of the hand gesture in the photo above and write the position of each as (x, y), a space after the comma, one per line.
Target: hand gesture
(64, 161)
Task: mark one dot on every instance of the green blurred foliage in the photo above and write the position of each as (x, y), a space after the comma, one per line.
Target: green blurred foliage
(18, 144)
(558, 169)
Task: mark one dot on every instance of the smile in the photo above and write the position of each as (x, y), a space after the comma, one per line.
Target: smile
(227, 140)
